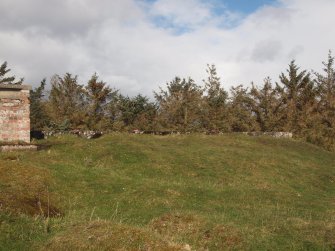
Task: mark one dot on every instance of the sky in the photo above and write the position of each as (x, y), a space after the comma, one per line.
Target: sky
(137, 46)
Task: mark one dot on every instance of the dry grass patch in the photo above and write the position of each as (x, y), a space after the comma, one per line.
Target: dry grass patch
(189, 228)
(176, 224)
(330, 236)
(106, 235)
(24, 189)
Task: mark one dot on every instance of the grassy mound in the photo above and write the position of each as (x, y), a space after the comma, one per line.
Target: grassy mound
(196, 192)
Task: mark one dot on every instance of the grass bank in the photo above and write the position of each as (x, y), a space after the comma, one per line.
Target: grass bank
(189, 192)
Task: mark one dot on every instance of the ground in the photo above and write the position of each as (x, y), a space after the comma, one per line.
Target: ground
(182, 192)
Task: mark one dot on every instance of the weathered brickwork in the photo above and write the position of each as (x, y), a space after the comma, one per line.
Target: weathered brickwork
(14, 113)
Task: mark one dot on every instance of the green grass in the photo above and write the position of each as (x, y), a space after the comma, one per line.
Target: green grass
(227, 192)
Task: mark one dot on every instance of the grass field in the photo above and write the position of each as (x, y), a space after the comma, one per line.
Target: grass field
(191, 192)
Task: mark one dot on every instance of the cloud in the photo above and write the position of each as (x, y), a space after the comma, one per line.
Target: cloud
(122, 41)
(266, 51)
(63, 18)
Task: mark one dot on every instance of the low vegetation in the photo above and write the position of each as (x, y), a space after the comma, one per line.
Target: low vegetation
(176, 192)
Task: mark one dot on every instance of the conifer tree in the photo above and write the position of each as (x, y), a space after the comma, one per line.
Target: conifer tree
(38, 115)
(137, 112)
(67, 102)
(180, 105)
(326, 91)
(215, 114)
(98, 96)
(5, 79)
(295, 90)
(326, 105)
(266, 106)
(240, 108)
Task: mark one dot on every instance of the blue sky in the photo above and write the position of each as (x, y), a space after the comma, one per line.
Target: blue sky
(167, 14)
(244, 6)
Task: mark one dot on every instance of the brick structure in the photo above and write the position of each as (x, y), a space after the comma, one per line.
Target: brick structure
(14, 113)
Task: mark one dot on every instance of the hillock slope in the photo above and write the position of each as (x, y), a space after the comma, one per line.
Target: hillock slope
(181, 192)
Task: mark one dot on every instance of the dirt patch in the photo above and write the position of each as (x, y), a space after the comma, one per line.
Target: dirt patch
(41, 147)
(193, 229)
(170, 224)
(106, 235)
(330, 236)
(25, 189)
(28, 205)
(222, 238)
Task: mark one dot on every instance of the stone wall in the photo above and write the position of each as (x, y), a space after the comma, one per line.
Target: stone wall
(14, 113)
(288, 135)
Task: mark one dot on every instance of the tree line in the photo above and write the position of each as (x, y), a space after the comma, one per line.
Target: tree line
(302, 102)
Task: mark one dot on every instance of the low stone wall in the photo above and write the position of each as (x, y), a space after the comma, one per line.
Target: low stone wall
(162, 133)
(96, 134)
(215, 132)
(79, 133)
(272, 134)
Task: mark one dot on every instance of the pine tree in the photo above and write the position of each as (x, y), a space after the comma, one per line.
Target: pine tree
(137, 112)
(38, 116)
(240, 109)
(67, 102)
(326, 105)
(266, 106)
(8, 80)
(215, 111)
(180, 105)
(98, 96)
(295, 90)
(326, 90)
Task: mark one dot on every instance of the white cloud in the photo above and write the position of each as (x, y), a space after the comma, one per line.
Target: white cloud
(118, 40)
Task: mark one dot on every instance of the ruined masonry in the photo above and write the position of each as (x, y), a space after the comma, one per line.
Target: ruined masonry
(14, 113)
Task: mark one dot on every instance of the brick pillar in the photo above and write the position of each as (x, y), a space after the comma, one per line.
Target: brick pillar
(14, 113)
